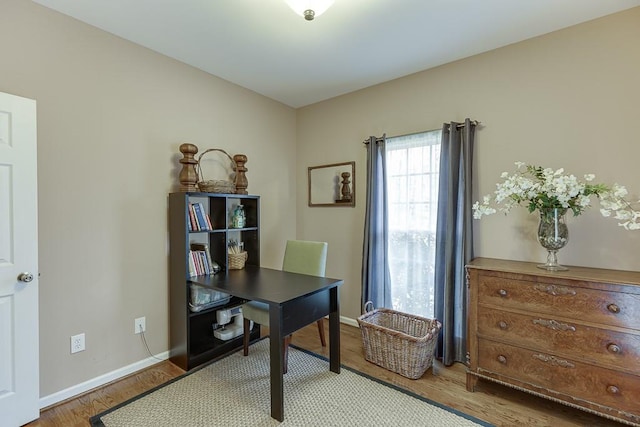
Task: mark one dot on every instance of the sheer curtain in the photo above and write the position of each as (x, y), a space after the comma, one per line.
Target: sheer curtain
(413, 163)
(376, 281)
(454, 238)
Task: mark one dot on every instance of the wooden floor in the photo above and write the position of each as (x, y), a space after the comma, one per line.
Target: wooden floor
(491, 402)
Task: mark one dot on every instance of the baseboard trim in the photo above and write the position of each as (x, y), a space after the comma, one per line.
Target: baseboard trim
(78, 389)
(349, 321)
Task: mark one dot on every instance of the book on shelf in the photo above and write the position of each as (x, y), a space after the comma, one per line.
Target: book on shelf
(192, 265)
(208, 265)
(199, 221)
(204, 248)
(205, 263)
(196, 263)
(196, 220)
(207, 220)
(192, 218)
(202, 267)
(201, 217)
(200, 262)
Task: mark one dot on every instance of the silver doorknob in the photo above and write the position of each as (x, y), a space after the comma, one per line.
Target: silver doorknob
(25, 277)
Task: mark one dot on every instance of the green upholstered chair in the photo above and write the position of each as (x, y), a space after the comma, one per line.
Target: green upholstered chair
(303, 257)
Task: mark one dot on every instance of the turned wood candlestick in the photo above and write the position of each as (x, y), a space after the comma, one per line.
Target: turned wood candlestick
(188, 175)
(241, 179)
(346, 189)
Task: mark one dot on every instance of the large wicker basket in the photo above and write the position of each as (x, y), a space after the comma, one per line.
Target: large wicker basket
(216, 185)
(236, 261)
(402, 343)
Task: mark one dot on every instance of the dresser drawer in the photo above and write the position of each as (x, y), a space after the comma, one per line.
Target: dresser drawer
(617, 350)
(545, 296)
(574, 379)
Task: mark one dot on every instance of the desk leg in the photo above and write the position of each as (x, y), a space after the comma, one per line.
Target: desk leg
(334, 331)
(276, 359)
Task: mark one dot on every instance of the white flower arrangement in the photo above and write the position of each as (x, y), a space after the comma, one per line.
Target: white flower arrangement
(543, 189)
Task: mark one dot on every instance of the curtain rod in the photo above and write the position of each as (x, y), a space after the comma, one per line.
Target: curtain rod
(459, 125)
(473, 123)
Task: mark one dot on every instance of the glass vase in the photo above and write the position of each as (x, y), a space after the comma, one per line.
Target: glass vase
(553, 235)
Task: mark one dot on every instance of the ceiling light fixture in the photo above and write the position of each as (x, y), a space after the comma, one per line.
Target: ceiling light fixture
(309, 9)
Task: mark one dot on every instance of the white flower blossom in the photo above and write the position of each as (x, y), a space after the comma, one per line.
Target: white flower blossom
(622, 215)
(540, 188)
(633, 226)
(619, 191)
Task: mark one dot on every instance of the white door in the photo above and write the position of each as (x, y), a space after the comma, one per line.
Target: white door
(19, 357)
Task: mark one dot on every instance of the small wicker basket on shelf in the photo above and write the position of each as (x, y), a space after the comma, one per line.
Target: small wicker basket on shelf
(402, 343)
(236, 261)
(216, 185)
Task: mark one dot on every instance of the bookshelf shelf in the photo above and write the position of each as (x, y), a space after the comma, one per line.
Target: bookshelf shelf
(191, 333)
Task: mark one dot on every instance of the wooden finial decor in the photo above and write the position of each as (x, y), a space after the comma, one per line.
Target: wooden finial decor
(188, 176)
(241, 179)
(346, 190)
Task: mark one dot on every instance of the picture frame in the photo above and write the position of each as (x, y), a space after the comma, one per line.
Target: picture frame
(332, 185)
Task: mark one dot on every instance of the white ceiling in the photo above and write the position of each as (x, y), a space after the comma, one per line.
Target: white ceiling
(264, 46)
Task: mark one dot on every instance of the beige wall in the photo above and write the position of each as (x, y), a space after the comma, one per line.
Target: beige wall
(567, 99)
(111, 116)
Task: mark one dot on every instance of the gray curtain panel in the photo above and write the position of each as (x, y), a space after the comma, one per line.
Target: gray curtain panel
(376, 279)
(454, 239)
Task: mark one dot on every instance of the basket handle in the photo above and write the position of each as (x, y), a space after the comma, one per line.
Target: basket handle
(368, 306)
(199, 168)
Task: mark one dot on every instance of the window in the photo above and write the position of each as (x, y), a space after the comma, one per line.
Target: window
(413, 163)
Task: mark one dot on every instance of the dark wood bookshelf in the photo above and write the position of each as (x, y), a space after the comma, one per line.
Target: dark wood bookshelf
(191, 334)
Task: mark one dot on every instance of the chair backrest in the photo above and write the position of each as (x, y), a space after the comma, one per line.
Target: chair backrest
(305, 257)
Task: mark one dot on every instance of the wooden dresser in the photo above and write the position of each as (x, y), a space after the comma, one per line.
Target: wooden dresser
(571, 336)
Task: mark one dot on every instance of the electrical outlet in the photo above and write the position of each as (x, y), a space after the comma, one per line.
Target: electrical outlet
(140, 325)
(77, 343)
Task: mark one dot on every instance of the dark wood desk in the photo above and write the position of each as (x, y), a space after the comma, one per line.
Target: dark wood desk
(295, 300)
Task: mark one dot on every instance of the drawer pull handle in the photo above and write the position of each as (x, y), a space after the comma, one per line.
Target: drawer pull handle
(502, 324)
(554, 290)
(555, 325)
(613, 308)
(613, 389)
(502, 359)
(502, 293)
(614, 348)
(552, 360)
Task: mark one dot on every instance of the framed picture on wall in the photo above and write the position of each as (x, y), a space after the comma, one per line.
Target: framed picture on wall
(333, 185)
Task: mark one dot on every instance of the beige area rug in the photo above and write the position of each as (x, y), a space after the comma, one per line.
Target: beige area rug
(234, 391)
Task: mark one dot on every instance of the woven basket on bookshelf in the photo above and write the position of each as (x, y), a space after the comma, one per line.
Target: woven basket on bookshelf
(236, 261)
(402, 343)
(216, 185)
